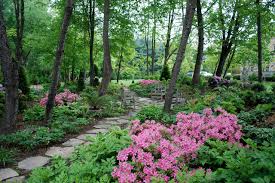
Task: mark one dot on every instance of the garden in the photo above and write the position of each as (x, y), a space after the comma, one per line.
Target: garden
(137, 91)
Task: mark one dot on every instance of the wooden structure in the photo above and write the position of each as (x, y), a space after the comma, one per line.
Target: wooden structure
(158, 92)
(178, 97)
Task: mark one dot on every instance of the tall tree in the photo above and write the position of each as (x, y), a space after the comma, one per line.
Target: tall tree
(10, 73)
(259, 38)
(58, 59)
(92, 38)
(186, 29)
(107, 65)
(197, 70)
(228, 39)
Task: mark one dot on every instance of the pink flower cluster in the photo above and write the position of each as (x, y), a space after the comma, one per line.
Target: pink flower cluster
(61, 98)
(148, 82)
(159, 151)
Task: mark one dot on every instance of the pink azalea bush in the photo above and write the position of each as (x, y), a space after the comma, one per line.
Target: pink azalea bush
(61, 98)
(148, 82)
(159, 151)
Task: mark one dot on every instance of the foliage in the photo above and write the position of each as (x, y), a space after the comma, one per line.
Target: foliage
(81, 81)
(34, 113)
(236, 164)
(165, 73)
(155, 113)
(143, 91)
(159, 151)
(90, 163)
(2, 104)
(258, 87)
(32, 137)
(23, 81)
(6, 156)
(96, 102)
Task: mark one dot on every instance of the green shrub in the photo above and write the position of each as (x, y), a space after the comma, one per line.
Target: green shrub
(143, 91)
(2, 104)
(234, 164)
(6, 156)
(23, 81)
(155, 113)
(35, 113)
(90, 163)
(91, 97)
(165, 73)
(33, 137)
(258, 87)
(81, 81)
(253, 77)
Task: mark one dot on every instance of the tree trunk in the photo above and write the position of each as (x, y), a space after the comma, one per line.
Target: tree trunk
(119, 66)
(168, 37)
(229, 61)
(229, 40)
(259, 37)
(197, 70)
(10, 73)
(107, 65)
(92, 37)
(58, 59)
(147, 48)
(19, 8)
(190, 9)
(153, 50)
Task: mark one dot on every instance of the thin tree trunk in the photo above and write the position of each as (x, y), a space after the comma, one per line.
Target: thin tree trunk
(10, 73)
(197, 70)
(119, 66)
(153, 49)
(147, 48)
(92, 37)
(58, 59)
(186, 29)
(107, 64)
(168, 37)
(229, 61)
(229, 40)
(259, 37)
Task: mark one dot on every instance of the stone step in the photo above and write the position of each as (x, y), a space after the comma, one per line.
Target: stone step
(33, 162)
(7, 173)
(73, 142)
(64, 152)
(85, 136)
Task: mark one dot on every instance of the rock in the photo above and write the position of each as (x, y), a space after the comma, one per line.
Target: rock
(19, 179)
(105, 126)
(7, 173)
(85, 136)
(111, 119)
(73, 142)
(95, 131)
(64, 152)
(33, 162)
(123, 121)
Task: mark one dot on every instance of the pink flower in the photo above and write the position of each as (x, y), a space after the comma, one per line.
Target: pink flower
(148, 82)
(160, 151)
(61, 98)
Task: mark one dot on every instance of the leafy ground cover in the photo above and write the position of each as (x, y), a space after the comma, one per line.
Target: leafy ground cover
(71, 114)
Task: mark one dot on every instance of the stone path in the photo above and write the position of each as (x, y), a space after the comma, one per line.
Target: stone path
(67, 148)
